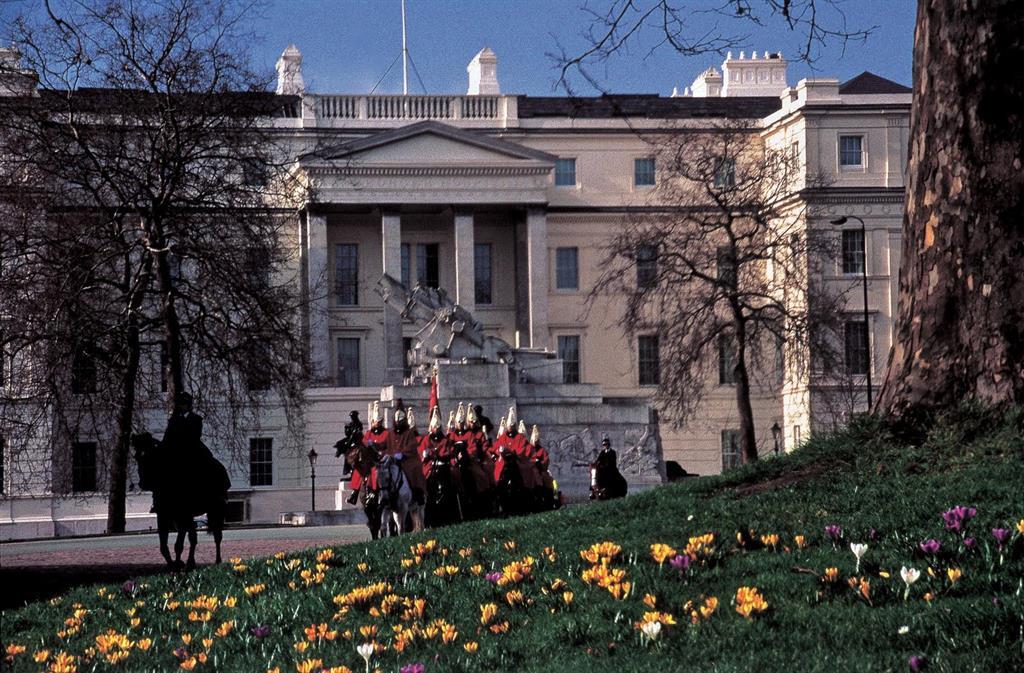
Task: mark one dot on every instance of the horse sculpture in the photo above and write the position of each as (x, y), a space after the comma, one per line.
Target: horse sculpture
(180, 493)
(395, 497)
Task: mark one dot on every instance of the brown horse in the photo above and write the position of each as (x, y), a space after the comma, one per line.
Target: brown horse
(181, 492)
(363, 459)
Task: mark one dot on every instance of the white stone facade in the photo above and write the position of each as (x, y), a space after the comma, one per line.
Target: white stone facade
(448, 184)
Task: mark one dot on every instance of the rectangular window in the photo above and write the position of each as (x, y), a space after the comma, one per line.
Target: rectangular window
(83, 371)
(346, 274)
(731, 456)
(83, 467)
(726, 269)
(406, 266)
(348, 362)
(726, 360)
(569, 354)
(646, 266)
(567, 268)
(3, 458)
(255, 172)
(565, 172)
(483, 284)
(261, 461)
(257, 375)
(650, 363)
(853, 251)
(643, 172)
(851, 151)
(428, 270)
(780, 360)
(725, 174)
(856, 346)
(407, 356)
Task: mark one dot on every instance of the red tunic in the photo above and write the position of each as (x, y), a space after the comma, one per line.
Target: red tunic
(406, 443)
(430, 448)
(376, 439)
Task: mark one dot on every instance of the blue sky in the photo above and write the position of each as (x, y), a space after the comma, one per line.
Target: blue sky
(348, 45)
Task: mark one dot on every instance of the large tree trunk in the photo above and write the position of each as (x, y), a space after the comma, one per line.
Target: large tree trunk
(168, 313)
(960, 330)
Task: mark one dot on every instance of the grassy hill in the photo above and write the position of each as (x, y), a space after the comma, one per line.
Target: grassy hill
(535, 594)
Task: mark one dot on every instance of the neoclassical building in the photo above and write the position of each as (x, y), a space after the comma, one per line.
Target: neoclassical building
(505, 201)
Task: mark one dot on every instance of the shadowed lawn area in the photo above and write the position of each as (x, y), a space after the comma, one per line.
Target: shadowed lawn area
(734, 570)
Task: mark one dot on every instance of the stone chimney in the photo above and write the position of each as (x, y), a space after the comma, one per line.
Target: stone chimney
(289, 73)
(765, 76)
(708, 84)
(483, 74)
(15, 80)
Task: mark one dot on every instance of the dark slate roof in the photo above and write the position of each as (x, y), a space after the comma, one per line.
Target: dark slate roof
(227, 103)
(870, 83)
(650, 106)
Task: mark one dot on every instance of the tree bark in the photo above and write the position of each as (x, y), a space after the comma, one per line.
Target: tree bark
(118, 487)
(960, 328)
(169, 314)
(748, 440)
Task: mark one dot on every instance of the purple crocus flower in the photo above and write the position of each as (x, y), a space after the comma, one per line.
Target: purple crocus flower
(834, 531)
(956, 517)
(874, 535)
(1001, 535)
(679, 562)
(918, 662)
(180, 653)
(930, 546)
(493, 577)
(969, 542)
(412, 668)
(261, 631)
(128, 587)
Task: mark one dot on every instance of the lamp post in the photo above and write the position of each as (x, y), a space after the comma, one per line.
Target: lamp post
(312, 477)
(777, 436)
(864, 276)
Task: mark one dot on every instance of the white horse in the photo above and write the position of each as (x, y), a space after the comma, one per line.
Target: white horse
(395, 496)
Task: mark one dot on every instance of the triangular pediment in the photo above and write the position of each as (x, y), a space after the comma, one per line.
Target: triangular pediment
(433, 143)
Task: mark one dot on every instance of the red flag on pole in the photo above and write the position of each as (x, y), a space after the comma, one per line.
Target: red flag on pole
(433, 394)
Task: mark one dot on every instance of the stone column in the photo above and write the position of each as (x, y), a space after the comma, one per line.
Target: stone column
(465, 271)
(391, 250)
(537, 265)
(317, 283)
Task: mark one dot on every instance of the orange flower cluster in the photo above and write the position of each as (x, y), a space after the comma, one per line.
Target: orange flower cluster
(319, 632)
(862, 586)
(611, 579)
(361, 597)
(446, 572)
(664, 618)
(770, 540)
(701, 611)
(608, 551)
(662, 552)
(422, 550)
(114, 647)
(324, 555)
(517, 572)
(700, 548)
(749, 602)
(254, 589)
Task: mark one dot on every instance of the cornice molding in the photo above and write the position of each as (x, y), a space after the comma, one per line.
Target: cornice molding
(430, 171)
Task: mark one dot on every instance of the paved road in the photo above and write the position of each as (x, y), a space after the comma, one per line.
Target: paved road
(39, 569)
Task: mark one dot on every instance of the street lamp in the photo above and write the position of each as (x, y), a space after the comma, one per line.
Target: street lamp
(777, 436)
(864, 276)
(312, 477)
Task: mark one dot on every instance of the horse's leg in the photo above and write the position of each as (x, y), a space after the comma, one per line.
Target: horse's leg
(193, 539)
(417, 519)
(179, 544)
(163, 530)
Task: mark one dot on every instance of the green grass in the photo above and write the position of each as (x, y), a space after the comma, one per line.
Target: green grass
(861, 479)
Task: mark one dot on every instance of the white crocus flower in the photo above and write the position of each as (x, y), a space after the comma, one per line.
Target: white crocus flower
(858, 550)
(366, 651)
(903, 630)
(909, 575)
(651, 630)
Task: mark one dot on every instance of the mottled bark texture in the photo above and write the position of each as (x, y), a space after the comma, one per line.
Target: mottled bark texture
(960, 330)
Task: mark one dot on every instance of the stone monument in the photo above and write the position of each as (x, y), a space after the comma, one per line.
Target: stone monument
(475, 368)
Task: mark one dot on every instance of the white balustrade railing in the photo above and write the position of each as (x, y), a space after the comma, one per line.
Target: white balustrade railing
(396, 107)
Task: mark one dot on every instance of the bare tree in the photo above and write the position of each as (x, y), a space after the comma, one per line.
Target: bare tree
(149, 117)
(722, 270)
(648, 25)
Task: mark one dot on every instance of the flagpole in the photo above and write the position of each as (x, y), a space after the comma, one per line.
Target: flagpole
(405, 56)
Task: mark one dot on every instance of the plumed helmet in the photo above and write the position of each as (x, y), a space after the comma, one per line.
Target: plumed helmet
(412, 418)
(502, 427)
(451, 419)
(522, 428)
(460, 415)
(435, 420)
(374, 410)
(535, 436)
(399, 414)
(511, 417)
(470, 414)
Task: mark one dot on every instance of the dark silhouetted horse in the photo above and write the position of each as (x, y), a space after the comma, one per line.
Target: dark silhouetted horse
(182, 492)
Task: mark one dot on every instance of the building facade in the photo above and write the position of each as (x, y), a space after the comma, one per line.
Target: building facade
(506, 202)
